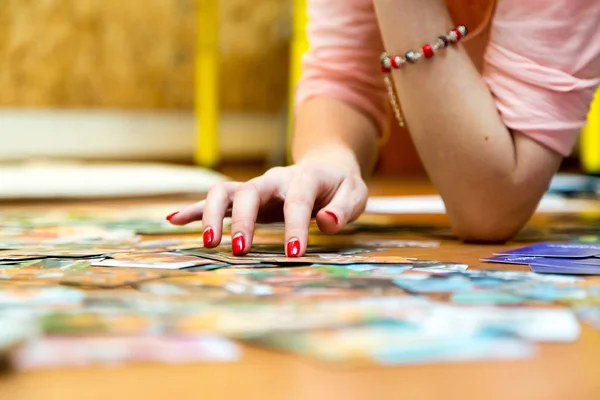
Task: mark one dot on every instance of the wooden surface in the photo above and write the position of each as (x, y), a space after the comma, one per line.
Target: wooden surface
(558, 371)
(139, 54)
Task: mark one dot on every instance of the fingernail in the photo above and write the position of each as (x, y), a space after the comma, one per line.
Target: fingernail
(293, 248)
(238, 244)
(332, 215)
(208, 236)
(172, 215)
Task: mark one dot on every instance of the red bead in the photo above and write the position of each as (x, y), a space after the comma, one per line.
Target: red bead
(458, 35)
(427, 51)
(396, 62)
(384, 69)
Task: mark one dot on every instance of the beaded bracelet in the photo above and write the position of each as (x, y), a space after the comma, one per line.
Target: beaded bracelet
(388, 63)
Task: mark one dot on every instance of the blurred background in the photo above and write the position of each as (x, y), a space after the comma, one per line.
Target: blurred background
(113, 79)
(185, 81)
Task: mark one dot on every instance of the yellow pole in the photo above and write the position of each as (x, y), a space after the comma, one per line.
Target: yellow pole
(207, 84)
(299, 45)
(590, 139)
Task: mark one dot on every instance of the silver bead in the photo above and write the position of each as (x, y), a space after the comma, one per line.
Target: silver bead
(386, 62)
(463, 30)
(452, 38)
(411, 57)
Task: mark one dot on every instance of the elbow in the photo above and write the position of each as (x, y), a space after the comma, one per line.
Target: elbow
(487, 226)
(482, 233)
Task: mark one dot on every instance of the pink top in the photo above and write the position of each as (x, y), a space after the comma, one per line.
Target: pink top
(542, 63)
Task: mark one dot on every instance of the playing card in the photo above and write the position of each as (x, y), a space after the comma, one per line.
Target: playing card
(40, 296)
(481, 297)
(441, 267)
(63, 352)
(530, 323)
(375, 270)
(394, 343)
(212, 254)
(450, 284)
(318, 258)
(33, 253)
(568, 263)
(49, 269)
(519, 276)
(152, 261)
(568, 270)
(556, 249)
(588, 261)
(232, 284)
(108, 277)
(559, 262)
(521, 260)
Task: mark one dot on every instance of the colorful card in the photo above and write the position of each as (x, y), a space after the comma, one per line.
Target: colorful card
(33, 253)
(63, 352)
(39, 296)
(108, 277)
(152, 261)
(556, 249)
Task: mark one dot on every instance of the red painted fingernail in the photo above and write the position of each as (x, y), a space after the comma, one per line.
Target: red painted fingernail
(293, 248)
(332, 215)
(172, 215)
(238, 244)
(208, 236)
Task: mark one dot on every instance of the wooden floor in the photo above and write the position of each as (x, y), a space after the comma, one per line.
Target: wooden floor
(558, 371)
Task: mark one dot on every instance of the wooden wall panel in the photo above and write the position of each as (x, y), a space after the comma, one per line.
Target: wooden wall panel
(137, 53)
(255, 36)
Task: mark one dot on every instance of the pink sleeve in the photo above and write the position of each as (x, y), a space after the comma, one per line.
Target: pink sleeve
(543, 67)
(343, 59)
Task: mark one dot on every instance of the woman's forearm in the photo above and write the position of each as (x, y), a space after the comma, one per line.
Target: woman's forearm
(490, 178)
(333, 131)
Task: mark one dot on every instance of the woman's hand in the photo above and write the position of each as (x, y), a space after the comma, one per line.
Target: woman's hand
(332, 191)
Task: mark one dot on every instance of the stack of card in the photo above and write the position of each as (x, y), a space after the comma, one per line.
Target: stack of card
(554, 258)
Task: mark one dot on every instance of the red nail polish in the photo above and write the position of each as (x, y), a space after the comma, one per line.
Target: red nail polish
(208, 236)
(332, 215)
(293, 248)
(238, 244)
(172, 215)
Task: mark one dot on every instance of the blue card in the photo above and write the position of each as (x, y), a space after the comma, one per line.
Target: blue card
(588, 261)
(522, 260)
(555, 249)
(435, 284)
(552, 269)
(565, 262)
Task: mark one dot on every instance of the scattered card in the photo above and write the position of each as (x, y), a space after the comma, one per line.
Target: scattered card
(520, 260)
(152, 261)
(556, 249)
(567, 270)
(64, 352)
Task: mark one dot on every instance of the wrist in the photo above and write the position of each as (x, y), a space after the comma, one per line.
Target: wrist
(335, 154)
